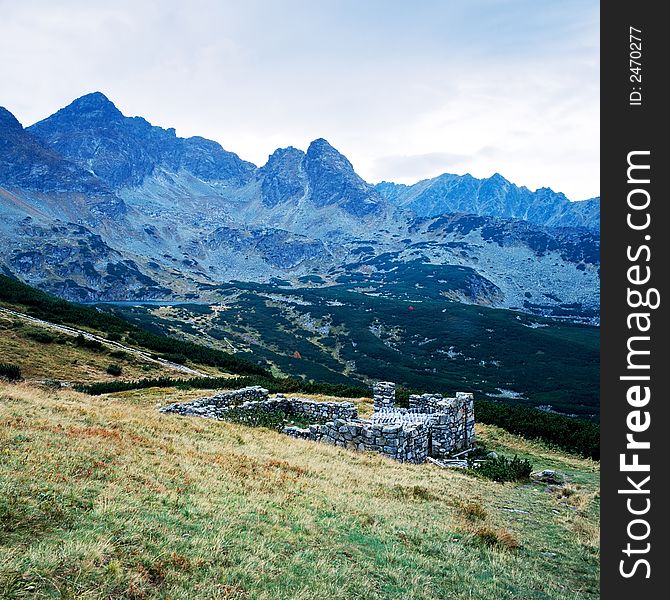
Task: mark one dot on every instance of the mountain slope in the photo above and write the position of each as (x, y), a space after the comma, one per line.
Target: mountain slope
(117, 500)
(28, 166)
(123, 151)
(97, 205)
(495, 197)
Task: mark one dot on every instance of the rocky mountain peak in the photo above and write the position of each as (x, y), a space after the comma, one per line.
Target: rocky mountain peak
(282, 177)
(322, 152)
(332, 180)
(496, 185)
(8, 122)
(90, 107)
(280, 156)
(124, 151)
(28, 166)
(497, 178)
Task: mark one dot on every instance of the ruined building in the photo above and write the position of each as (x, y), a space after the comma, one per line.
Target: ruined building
(432, 425)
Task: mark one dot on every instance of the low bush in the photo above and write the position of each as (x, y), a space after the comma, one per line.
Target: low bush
(503, 469)
(272, 384)
(10, 372)
(575, 435)
(42, 337)
(84, 342)
(114, 370)
(180, 359)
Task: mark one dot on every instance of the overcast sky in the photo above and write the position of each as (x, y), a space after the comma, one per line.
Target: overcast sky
(405, 89)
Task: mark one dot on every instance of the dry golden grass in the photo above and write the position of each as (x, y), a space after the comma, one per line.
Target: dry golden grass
(65, 361)
(104, 497)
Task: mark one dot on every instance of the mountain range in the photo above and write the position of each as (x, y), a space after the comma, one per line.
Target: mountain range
(99, 206)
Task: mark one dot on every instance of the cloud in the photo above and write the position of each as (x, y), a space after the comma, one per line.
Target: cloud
(381, 80)
(408, 169)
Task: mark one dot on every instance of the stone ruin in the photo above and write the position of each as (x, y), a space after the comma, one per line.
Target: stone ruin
(432, 426)
(256, 398)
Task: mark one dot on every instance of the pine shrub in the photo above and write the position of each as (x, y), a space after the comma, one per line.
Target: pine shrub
(10, 372)
(503, 469)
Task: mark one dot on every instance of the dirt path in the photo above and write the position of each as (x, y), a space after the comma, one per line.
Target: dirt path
(73, 331)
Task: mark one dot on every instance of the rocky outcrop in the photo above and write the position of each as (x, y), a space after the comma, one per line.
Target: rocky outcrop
(123, 151)
(492, 197)
(282, 178)
(332, 180)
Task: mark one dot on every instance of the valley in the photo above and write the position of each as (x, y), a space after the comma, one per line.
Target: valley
(336, 335)
(301, 267)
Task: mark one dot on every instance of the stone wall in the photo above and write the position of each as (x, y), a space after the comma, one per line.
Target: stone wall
(317, 411)
(210, 407)
(424, 402)
(383, 393)
(403, 442)
(432, 425)
(257, 398)
(453, 426)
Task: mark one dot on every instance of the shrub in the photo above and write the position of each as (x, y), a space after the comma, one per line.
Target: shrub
(84, 342)
(272, 384)
(114, 370)
(503, 469)
(180, 359)
(40, 336)
(575, 435)
(10, 371)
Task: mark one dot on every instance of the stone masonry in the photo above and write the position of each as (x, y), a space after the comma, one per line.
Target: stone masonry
(258, 398)
(383, 393)
(403, 442)
(432, 425)
(212, 407)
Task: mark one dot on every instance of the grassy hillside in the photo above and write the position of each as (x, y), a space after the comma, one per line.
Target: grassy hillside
(23, 298)
(104, 497)
(37, 350)
(42, 354)
(338, 336)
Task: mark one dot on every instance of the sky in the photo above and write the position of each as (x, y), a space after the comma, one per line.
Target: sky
(405, 89)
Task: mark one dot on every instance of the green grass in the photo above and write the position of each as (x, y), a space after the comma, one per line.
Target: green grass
(107, 498)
